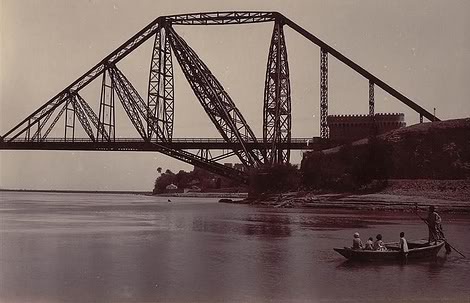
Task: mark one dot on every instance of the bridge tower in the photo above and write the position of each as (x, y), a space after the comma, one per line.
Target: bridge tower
(277, 118)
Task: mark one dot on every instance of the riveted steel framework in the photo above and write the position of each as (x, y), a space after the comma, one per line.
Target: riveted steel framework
(93, 118)
(154, 119)
(371, 98)
(324, 131)
(51, 126)
(69, 130)
(82, 116)
(107, 115)
(137, 111)
(161, 87)
(215, 100)
(277, 100)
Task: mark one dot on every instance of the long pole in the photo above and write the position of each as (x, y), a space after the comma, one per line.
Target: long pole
(445, 240)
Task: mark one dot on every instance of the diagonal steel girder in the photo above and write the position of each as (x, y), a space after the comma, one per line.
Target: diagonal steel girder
(54, 122)
(82, 116)
(92, 116)
(130, 100)
(137, 111)
(277, 119)
(216, 102)
(121, 52)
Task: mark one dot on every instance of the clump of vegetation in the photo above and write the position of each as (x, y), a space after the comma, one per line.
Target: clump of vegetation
(372, 162)
(163, 180)
(351, 168)
(278, 178)
(200, 178)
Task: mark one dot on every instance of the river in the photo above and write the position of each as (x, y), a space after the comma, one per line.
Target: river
(72, 247)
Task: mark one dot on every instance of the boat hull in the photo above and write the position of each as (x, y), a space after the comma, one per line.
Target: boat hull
(418, 250)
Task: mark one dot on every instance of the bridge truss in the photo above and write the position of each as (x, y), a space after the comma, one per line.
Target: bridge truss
(154, 118)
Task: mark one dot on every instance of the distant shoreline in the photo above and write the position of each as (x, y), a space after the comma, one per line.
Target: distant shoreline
(143, 193)
(146, 193)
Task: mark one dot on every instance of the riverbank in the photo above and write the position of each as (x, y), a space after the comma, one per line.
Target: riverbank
(399, 195)
(205, 195)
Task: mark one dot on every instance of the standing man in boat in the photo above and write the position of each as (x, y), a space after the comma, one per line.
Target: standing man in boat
(403, 247)
(434, 225)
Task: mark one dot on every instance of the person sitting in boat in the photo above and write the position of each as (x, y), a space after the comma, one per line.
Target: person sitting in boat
(357, 243)
(403, 244)
(379, 244)
(369, 244)
(434, 225)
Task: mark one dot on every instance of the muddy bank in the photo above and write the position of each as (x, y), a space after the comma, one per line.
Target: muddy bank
(205, 195)
(399, 195)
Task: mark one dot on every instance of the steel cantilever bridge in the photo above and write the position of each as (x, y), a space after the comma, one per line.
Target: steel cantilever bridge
(154, 118)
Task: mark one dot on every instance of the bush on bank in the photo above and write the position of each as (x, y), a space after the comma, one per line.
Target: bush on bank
(350, 168)
(278, 178)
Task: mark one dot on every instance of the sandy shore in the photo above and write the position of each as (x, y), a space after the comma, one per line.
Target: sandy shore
(400, 195)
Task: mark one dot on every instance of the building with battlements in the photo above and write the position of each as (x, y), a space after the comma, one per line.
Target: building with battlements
(349, 128)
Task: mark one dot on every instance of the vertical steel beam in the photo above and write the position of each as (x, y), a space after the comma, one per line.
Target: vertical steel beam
(154, 79)
(161, 87)
(277, 100)
(168, 114)
(69, 120)
(324, 131)
(205, 154)
(106, 117)
(371, 98)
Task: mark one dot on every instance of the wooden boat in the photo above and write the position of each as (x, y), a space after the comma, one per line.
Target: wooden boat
(418, 249)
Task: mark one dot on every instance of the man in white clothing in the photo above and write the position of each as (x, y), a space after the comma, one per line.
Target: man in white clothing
(403, 246)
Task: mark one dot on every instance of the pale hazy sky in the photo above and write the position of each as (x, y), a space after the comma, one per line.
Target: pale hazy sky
(419, 47)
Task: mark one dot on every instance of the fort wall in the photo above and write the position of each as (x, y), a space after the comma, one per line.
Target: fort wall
(348, 128)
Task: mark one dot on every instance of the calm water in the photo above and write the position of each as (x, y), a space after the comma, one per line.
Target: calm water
(129, 248)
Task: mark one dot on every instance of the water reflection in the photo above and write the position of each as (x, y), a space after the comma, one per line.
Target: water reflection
(119, 248)
(268, 225)
(434, 264)
(340, 222)
(258, 225)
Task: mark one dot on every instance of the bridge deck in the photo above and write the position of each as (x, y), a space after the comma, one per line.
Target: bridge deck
(136, 144)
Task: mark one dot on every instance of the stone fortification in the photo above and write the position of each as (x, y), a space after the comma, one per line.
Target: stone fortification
(348, 128)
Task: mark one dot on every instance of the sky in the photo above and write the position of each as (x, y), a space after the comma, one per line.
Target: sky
(421, 48)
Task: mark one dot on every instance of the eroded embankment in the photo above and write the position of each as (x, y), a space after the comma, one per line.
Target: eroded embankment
(400, 195)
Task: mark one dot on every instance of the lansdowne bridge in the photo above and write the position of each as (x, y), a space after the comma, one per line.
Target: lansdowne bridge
(153, 118)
